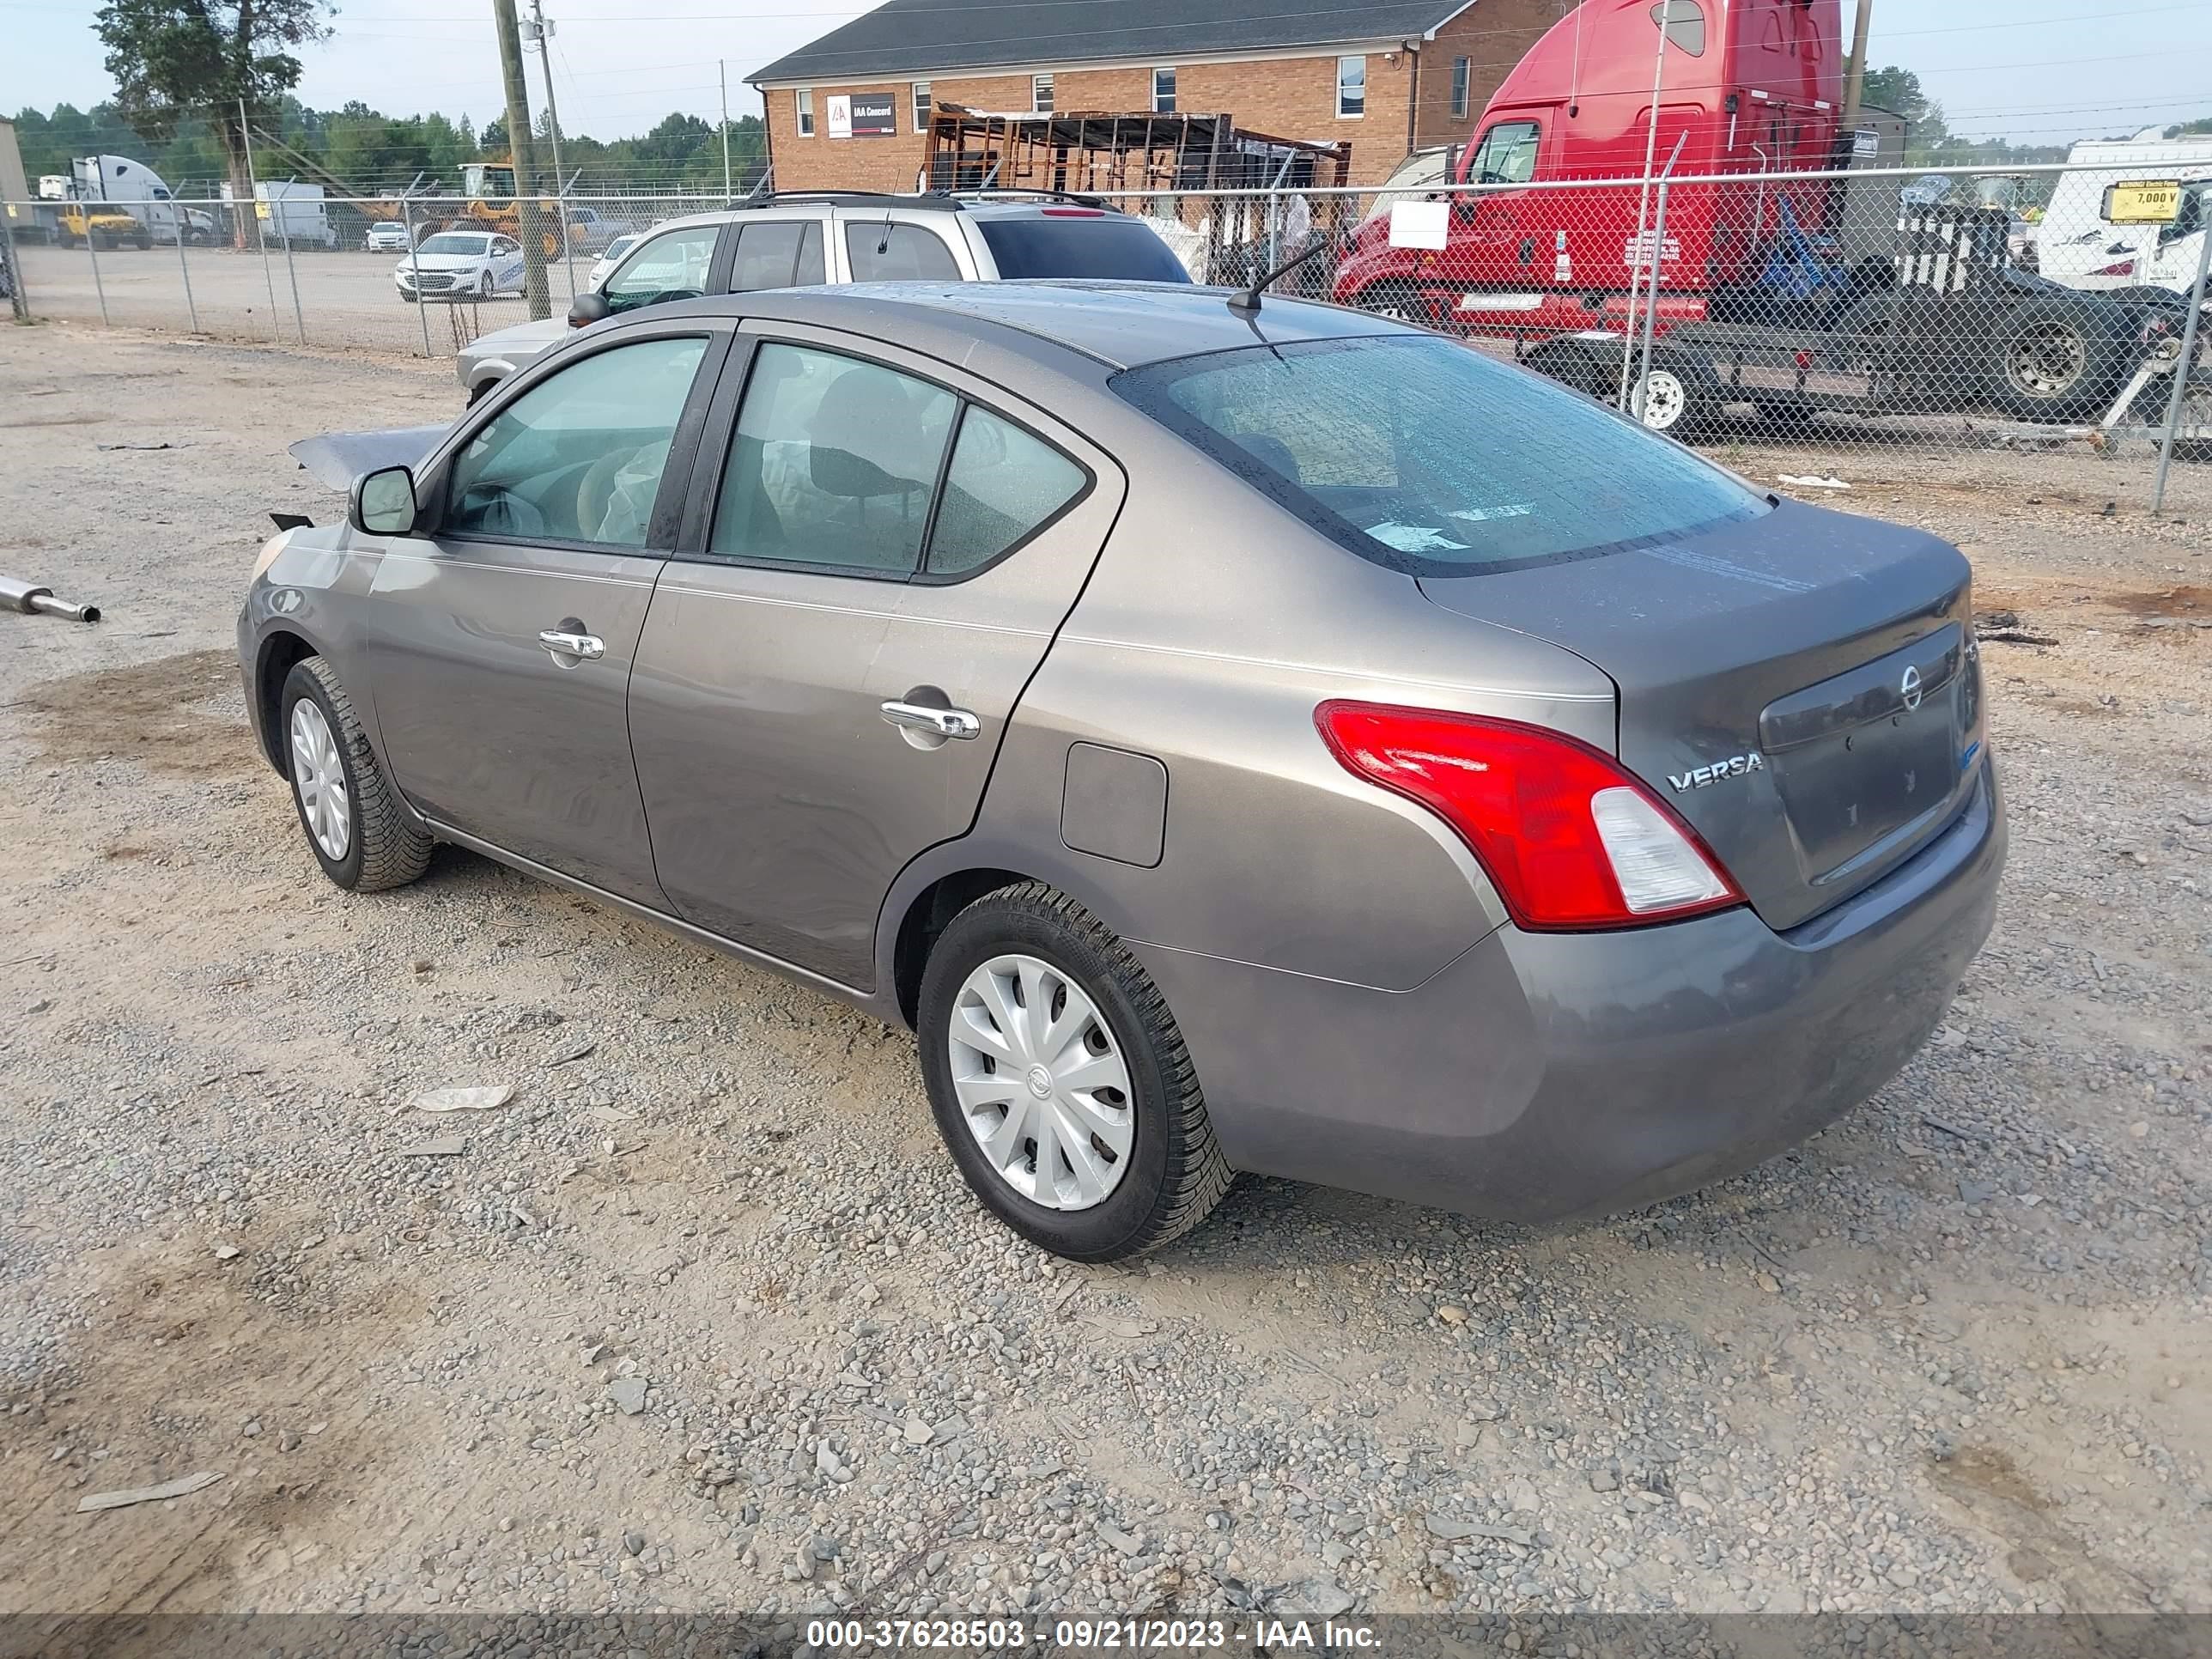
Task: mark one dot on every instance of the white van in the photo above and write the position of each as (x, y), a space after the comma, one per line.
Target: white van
(2075, 245)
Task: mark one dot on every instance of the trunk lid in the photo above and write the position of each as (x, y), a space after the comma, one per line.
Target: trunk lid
(1803, 687)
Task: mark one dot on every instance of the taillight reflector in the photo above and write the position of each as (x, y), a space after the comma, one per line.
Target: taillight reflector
(1571, 841)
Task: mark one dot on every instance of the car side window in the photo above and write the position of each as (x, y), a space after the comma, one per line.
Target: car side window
(1004, 484)
(772, 254)
(889, 252)
(578, 458)
(833, 464)
(671, 266)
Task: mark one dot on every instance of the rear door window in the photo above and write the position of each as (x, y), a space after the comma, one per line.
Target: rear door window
(1426, 456)
(891, 251)
(1082, 244)
(770, 254)
(834, 464)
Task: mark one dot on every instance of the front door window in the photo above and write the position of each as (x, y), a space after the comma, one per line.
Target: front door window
(579, 457)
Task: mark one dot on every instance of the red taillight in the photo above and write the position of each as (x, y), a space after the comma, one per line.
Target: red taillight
(1570, 839)
(2125, 268)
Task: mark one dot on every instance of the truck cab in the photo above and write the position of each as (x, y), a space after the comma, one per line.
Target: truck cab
(1749, 87)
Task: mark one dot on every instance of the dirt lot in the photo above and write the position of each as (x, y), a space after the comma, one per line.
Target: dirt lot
(703, 1319)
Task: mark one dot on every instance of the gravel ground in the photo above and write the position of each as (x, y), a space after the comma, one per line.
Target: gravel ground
(702, 1318)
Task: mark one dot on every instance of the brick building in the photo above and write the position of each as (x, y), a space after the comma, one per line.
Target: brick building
(847, 111)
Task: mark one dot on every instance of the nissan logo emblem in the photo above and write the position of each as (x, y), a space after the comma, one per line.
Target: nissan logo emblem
(1909, 687)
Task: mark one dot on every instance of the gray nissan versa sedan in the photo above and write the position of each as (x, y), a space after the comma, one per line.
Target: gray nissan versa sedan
(1268, 739)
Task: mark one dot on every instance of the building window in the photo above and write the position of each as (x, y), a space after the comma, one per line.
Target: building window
(806, 112)
(1041, 94)
(1460, 68)
(1351, 87)
(1163, 91)
(922, 107)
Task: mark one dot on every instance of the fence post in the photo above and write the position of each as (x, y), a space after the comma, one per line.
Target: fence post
(91, 248)
(292, 272)
(420, 315)
(2179, 399)
(19, 297)
(191, 305)
(1651, 306)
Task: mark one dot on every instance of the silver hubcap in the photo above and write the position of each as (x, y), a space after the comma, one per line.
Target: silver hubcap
(319, 776)
(1041, 1083)
(2048, 361)
(1664, 400)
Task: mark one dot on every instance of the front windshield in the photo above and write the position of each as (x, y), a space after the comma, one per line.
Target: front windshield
(450, 243)
(1424, 455)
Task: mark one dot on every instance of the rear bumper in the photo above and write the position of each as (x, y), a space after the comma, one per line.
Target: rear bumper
(1548, 1075)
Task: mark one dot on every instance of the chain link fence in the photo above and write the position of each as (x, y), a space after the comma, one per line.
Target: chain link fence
(2030, 309)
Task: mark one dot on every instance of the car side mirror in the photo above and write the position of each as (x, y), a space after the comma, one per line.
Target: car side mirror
(588, 308)
(382, 504)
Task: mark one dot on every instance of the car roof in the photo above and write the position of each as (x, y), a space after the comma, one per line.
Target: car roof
(1120, 324)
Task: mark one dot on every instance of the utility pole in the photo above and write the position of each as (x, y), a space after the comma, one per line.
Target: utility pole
(524, 148)
(722, 69)
(1854, 68)
(539, 30)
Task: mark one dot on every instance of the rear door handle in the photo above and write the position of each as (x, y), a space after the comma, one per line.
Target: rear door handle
(589, 646)
(944, 722)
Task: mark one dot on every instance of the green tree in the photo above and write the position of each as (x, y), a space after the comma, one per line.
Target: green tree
(171, 58)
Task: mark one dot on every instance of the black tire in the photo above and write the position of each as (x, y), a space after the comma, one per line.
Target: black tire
(1570, 363)
(1177, 1173)
(1397, 298)
(384, 849)
(142, 241)
(2057, 360)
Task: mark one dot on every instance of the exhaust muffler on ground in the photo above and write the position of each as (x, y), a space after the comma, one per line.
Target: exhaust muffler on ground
(29, 598)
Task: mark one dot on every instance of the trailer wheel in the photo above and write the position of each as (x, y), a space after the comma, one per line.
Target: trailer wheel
(1395, 299)
(1570, 363)
(1675, 397)
(2055, 360)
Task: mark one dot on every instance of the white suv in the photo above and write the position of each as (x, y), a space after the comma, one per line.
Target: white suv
(798, 241)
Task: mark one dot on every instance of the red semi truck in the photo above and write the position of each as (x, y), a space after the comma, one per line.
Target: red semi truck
(1790, 294)
(1749, 86)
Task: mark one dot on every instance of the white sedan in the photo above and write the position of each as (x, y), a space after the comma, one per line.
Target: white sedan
(386, 236)
(460, 264)
(611, 258)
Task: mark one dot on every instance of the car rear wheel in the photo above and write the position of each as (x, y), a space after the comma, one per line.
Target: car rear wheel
(349, 810)
(1059, 1081)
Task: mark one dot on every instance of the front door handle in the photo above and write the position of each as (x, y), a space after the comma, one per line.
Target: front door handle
(944, 722)
(589, 646)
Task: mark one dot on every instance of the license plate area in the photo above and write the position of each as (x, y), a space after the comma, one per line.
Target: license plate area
(1868, 761)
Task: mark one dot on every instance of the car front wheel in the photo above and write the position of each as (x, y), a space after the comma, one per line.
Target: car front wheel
(1060, 1082)
(351, 814)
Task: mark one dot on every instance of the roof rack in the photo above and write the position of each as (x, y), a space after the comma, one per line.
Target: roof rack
(935, 200)
(993, 192)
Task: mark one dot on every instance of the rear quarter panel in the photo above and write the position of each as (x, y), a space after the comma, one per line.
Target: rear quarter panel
(1213, 627)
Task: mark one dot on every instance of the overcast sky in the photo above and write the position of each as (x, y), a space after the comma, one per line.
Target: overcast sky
(2031, 70)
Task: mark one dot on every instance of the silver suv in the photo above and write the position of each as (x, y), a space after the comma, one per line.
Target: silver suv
(802, 241)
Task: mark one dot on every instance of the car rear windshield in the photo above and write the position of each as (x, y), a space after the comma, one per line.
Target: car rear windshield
(1058, 244)
(1424, 455)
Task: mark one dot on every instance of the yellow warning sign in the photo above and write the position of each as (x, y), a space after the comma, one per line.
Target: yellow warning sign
(2142, 202)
